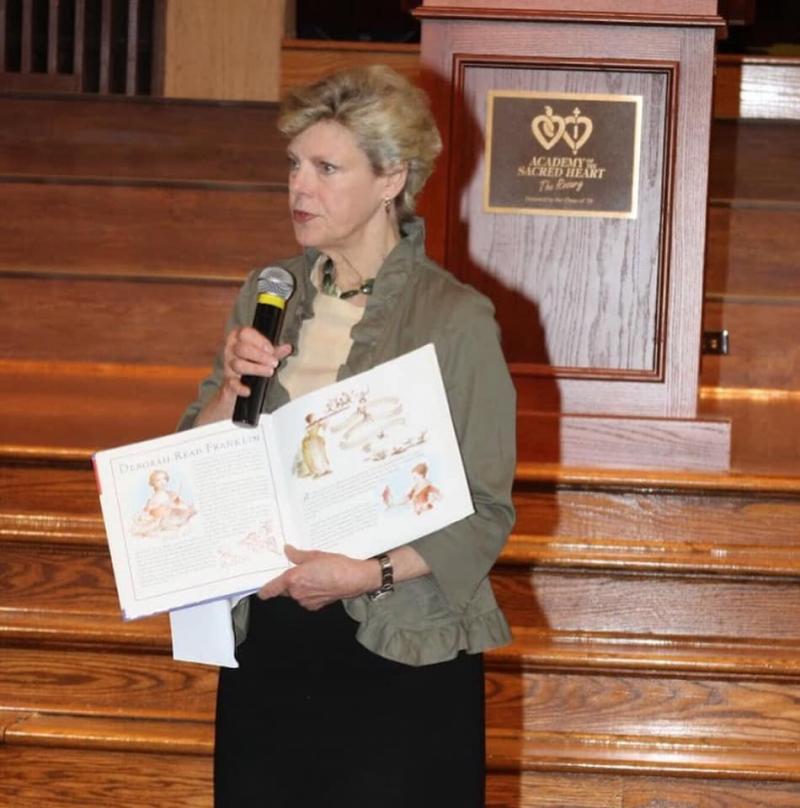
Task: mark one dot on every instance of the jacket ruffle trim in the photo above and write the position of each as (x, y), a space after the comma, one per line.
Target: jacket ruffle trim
(429, 644)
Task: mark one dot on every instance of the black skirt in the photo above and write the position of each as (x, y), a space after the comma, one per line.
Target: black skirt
(311, 718)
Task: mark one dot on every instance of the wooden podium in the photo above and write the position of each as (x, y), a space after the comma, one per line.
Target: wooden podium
(572, 190)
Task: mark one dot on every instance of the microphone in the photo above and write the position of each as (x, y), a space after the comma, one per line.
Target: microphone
(275, 287)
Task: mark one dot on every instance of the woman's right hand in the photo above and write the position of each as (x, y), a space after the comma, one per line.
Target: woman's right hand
(246, 353)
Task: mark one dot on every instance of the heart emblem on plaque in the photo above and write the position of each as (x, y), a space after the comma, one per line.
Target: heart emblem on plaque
(548, 129)
(577, 130)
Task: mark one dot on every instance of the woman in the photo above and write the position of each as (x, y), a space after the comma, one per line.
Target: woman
(361, 682)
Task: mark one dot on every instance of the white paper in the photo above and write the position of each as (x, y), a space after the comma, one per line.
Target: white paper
(204, 633)
(358, 467)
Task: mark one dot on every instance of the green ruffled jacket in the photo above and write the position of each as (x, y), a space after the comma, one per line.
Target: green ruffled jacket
(414, 302)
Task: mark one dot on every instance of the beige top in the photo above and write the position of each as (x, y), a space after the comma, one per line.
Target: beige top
(323, 344)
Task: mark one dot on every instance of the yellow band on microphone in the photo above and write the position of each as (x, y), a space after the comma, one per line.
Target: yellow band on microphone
(272, 300)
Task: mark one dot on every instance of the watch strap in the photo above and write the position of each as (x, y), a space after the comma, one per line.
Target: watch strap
(387, 578)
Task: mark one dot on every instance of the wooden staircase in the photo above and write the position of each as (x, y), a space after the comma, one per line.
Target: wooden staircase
(656, 615)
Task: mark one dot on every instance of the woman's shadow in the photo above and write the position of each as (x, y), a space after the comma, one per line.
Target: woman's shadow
(538, 431)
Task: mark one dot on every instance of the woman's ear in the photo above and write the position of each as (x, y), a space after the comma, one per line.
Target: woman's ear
(395, 180)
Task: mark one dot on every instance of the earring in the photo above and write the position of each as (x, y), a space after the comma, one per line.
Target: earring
(387, 204)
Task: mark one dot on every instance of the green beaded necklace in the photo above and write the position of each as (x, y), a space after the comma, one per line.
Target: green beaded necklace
(329, 287)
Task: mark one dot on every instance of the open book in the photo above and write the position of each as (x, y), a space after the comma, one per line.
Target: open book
(359, 467)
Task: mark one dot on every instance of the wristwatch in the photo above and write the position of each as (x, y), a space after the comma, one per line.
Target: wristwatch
(387, 578)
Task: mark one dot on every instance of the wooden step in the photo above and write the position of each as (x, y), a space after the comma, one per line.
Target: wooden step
(98, 405)
(110, 734)
(95, 683)
(752, 252)
(33, 777)
(757, 86)
(763, 350)
(507, 748)
(599, 700)
(618, 574)
(735, 532)
(96, 411)
(574, 621)
(63, 137)
(736, 714)
(143, 230)
(765, 438)
(525, 741)
(739, 172)
(59, 761)
(72, 778)
(120, 321)
(67, 303)
(584, 789)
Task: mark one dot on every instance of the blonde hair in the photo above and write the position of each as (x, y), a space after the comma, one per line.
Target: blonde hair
(155, 474)
(389, 117)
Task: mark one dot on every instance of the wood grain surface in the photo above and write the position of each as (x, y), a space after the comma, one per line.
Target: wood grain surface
(143, 230)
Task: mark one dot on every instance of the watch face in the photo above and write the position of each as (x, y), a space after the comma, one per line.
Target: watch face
(383, 592)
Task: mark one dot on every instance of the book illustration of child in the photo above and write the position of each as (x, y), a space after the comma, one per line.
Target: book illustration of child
(164, 510)
(422, 495)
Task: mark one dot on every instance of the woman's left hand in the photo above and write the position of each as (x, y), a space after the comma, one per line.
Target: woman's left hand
(321, 578)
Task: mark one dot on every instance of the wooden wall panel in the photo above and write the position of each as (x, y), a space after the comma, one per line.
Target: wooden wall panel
(306, 60)
(223, 50)
(526, 262)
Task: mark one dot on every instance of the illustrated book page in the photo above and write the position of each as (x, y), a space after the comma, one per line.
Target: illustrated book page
(358, 467)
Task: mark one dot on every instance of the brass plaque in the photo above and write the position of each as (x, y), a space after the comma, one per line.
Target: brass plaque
(562, 154)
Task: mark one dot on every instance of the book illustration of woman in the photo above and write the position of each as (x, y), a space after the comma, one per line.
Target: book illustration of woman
(164, 510)
(423, 493)
(312, 459)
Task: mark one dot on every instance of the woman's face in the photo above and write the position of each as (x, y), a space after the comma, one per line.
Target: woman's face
(335, 198)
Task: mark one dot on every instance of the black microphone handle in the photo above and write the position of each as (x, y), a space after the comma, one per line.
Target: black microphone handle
(246, 412)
